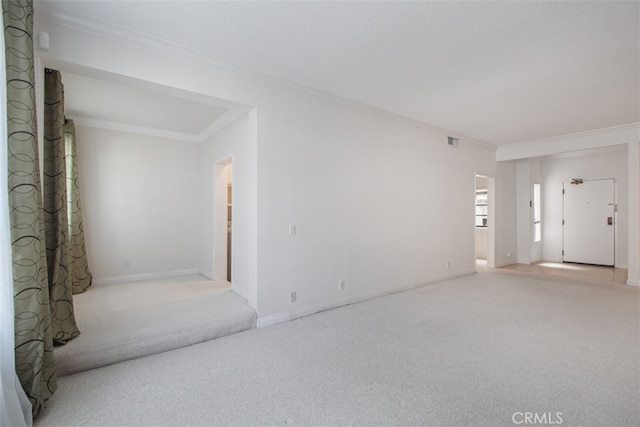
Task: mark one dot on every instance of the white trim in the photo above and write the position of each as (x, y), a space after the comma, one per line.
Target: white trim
(220, 237)
(252, 210)
(206, 273)
(307, 311)
(272, 320)
(219, 124)
(139, 130)
(153, 44)
(596, 138)
(144, 276)
(561, 138)
(208, 132)
(589, 152)
(633, 213)
(118, 34)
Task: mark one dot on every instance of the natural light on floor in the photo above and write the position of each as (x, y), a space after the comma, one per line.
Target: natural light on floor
(562, 266)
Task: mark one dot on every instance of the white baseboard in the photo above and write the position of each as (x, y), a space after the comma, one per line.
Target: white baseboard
(208, 274)
(306, 311)
(144, 276)
(633, 282)
(272, 320)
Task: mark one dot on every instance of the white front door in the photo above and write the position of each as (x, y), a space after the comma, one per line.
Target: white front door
(588, 222)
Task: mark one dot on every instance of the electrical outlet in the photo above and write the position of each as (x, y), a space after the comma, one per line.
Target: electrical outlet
(294, 296)
(448, 264)
(126, 263)
(508, 254)
(292, 230)
(341, 285)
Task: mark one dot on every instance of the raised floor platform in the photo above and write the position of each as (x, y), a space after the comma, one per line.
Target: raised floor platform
(130, 320)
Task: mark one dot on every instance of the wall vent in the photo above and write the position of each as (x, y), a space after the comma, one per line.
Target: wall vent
(453, 142)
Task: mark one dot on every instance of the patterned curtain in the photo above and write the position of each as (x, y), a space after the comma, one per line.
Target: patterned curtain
(35, 364)
(80, 275)
(56, 219)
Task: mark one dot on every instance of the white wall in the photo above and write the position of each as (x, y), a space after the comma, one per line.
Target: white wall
(529, 171)
(633, 156)
(505, 214)
(603, 164)
(536, 177)
(231, 142)
(481, 243)
(523, 198)
(139, 195)
(378, 203)
(381, 202)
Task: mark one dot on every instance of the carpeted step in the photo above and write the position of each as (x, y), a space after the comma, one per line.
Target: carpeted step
(112, 337)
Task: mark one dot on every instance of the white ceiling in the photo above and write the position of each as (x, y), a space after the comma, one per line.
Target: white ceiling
(89, 99)
(500, 72)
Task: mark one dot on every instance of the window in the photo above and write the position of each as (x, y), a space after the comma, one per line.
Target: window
(537, 213)
(481, 208)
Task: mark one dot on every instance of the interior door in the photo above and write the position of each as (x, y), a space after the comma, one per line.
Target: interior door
(588, 222)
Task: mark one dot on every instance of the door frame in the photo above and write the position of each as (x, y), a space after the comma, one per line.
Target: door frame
(491, 221)
(220, 218)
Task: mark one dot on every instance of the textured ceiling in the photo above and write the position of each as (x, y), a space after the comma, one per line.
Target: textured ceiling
(500, 72)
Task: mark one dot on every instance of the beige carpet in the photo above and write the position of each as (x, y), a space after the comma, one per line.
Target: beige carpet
(129, 320)
(477, 350)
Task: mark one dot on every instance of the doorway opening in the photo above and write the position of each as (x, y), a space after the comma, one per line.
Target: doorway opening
(484, 226)
(229, 219)
(482, 220)
(223, 220)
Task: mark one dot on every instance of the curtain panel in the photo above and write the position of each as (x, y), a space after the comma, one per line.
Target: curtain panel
(80, 275)
(56, 219)
(34, 360)
(15, 408)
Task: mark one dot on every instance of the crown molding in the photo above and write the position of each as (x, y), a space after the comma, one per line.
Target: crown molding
(570, 136)
(118, 34)
(208, 132)
(593, 139)
(139, 130)
(589, 152)
(219, 124)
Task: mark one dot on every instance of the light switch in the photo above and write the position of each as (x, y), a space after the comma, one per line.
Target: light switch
(292, 230)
